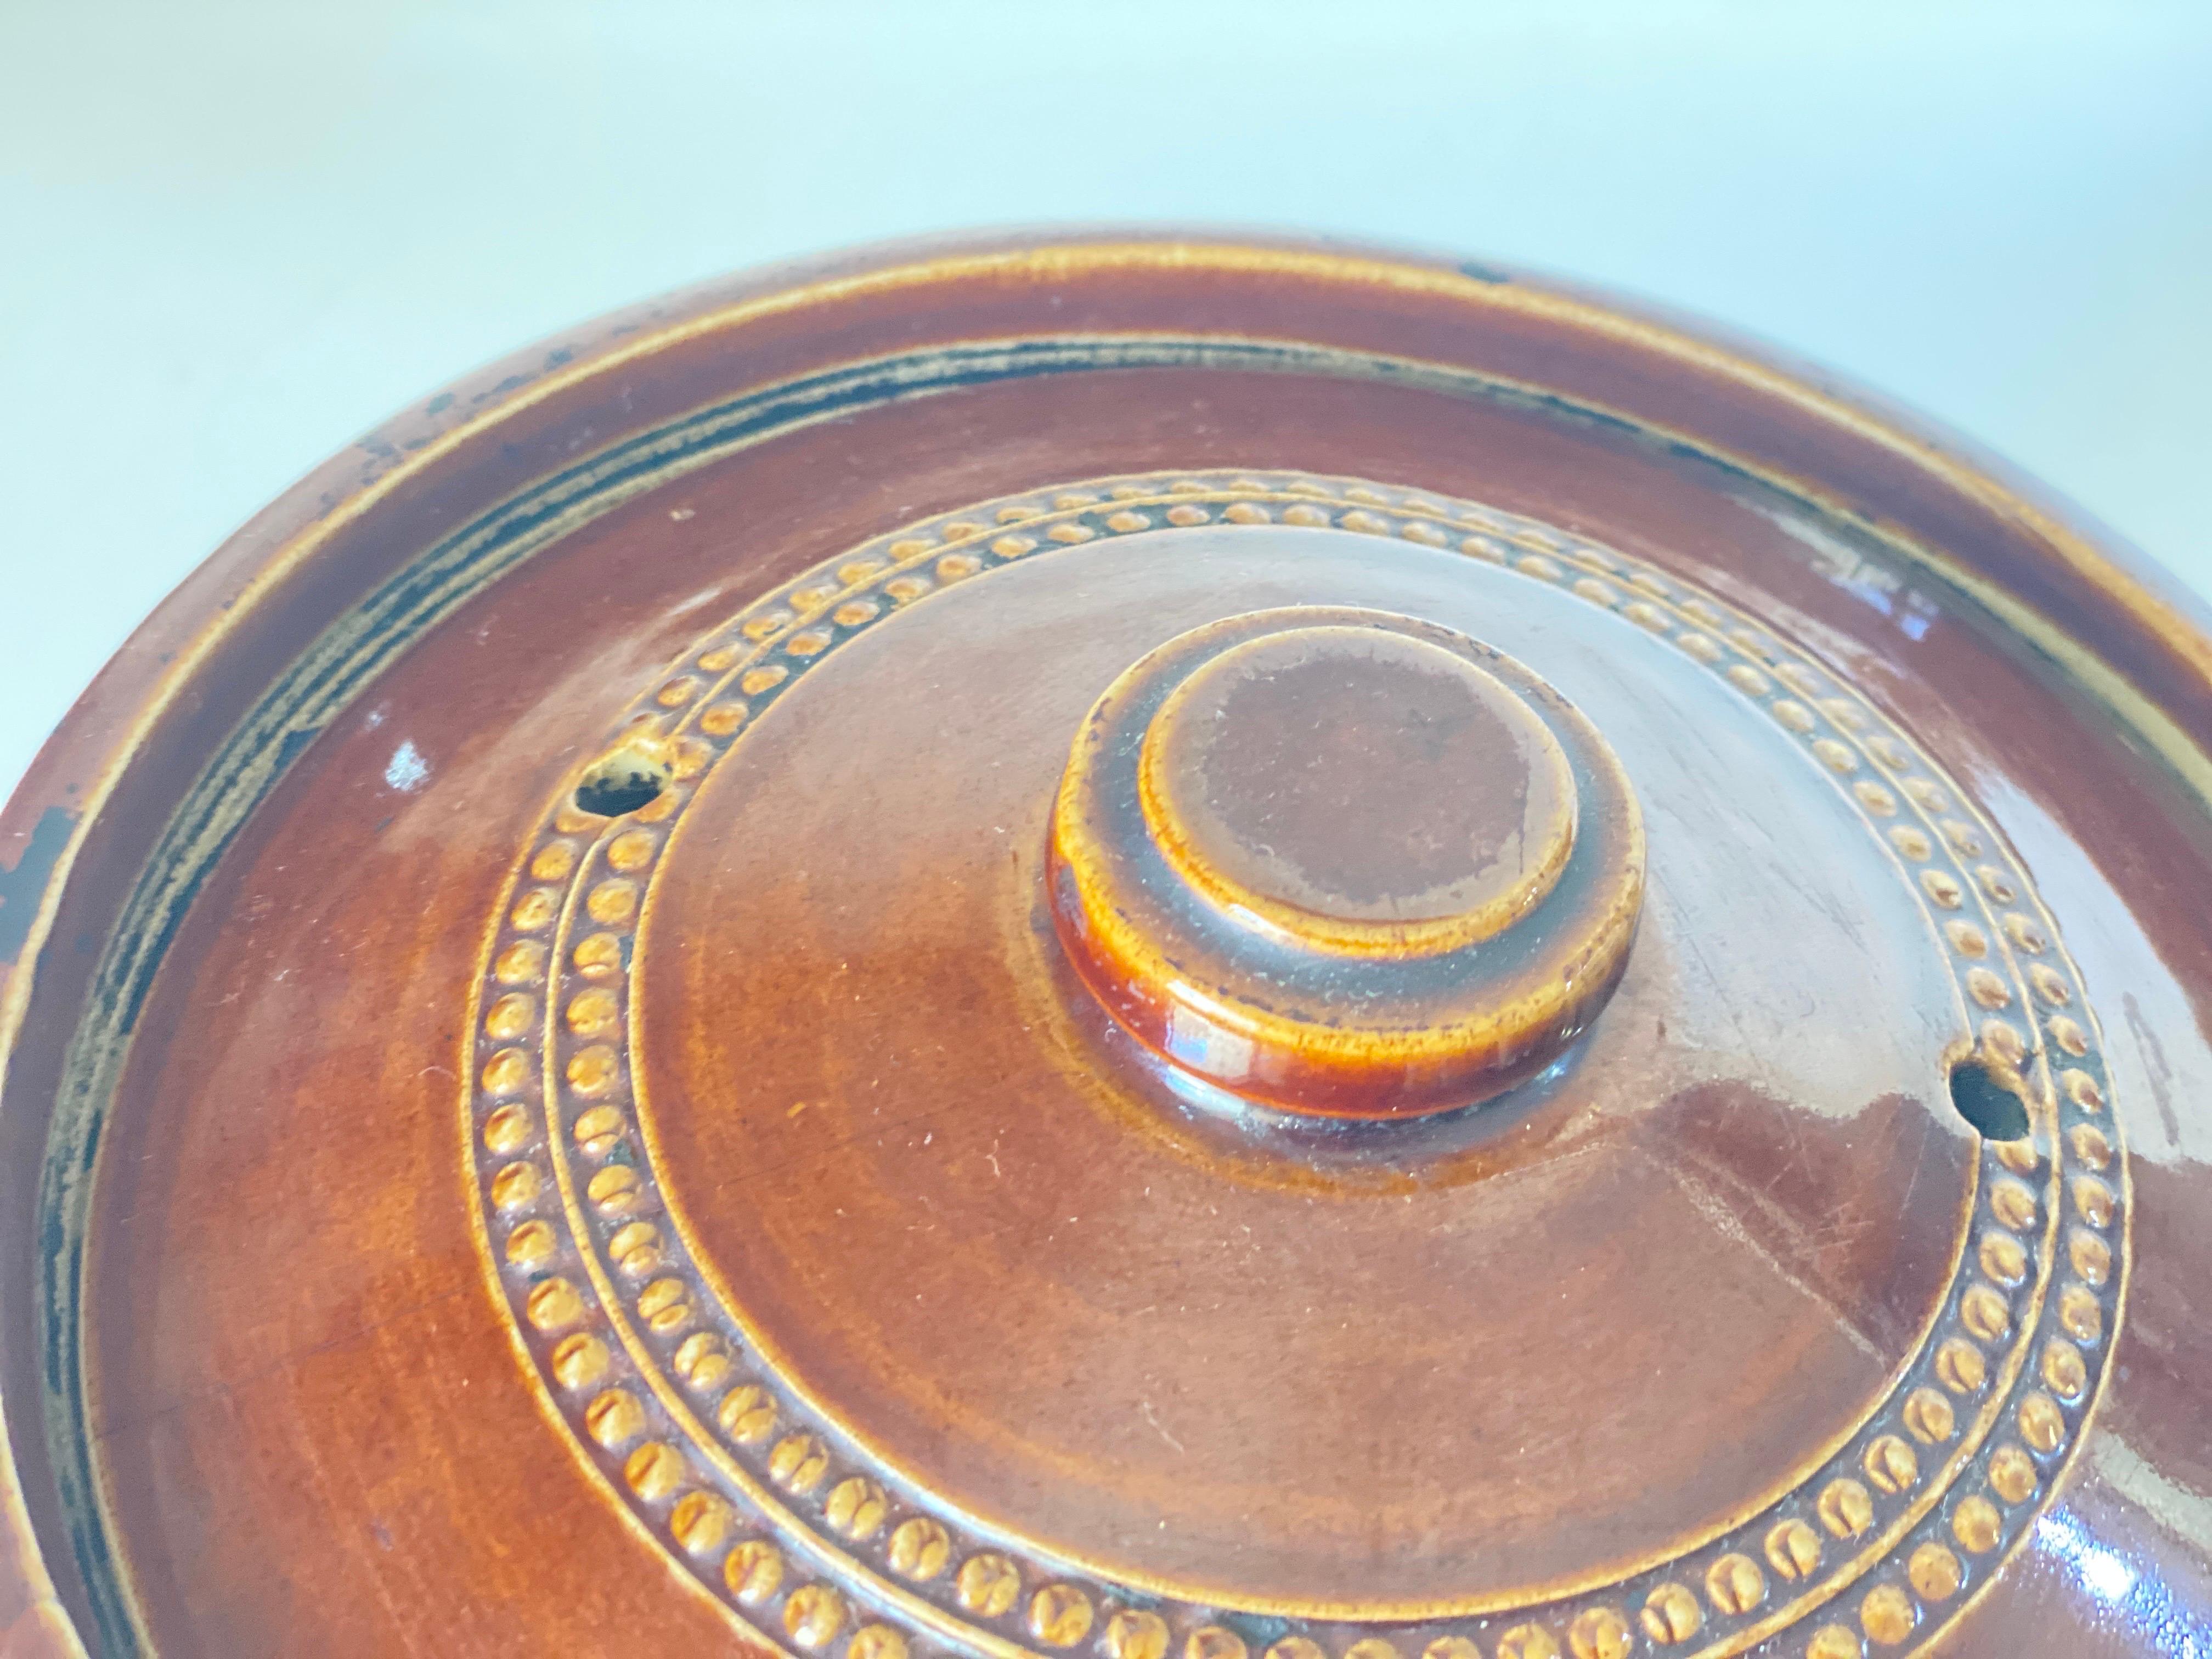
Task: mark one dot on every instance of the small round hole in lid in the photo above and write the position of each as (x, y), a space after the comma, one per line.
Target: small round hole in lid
(1357, 960)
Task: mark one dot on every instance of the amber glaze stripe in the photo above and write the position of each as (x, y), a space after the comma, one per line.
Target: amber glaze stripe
(66, 1178)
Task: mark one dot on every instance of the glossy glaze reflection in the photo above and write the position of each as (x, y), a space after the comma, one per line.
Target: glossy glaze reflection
(1234, 872)
(853, 1353)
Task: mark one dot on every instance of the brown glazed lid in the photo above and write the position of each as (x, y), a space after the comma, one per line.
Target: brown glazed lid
(1124, 946)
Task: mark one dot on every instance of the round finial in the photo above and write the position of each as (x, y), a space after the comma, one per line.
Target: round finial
(1344, 863)
(1357, 790)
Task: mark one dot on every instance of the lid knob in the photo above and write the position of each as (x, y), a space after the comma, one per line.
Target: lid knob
(1344, 863)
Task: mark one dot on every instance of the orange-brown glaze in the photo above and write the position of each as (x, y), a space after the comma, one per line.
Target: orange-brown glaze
(937, 1068)
(1006, 1322)
(1361, 790)
(1235, 871)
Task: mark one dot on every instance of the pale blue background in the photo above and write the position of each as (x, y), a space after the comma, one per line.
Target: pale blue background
(232, 236)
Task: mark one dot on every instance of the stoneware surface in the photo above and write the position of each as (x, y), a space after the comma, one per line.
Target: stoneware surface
(1133, 946)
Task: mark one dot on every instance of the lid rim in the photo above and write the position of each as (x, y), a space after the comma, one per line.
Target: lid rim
(2136, 628)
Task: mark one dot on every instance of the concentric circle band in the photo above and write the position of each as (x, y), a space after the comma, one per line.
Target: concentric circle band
(1892, 1532)
(1422, 779)
(1238, 921)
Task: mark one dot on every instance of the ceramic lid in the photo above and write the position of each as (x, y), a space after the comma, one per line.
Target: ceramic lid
(1133, 946)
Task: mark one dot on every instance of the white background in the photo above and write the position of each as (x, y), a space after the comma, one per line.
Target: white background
(233, 236)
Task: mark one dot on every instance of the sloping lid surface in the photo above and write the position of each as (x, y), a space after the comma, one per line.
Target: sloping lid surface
(1125, 947)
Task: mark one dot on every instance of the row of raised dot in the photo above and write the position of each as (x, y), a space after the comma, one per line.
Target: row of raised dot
(2063, 1370)
(2092, 1148)
(594, 1013)
(532, 1243)
(508, 1128)
(1794, 715)
(665, 1306)
(598, 1130)
(558, 1301)
(814, 1614)
(2093, 1201)
(1844, 1508)
(857, 1507)
(986, 1585)
(1133, 1633)
(2079, 1314)
(594, 1070)
(798, 1463)
(616, 1190)
(510, 1016)
(635, 1249)
(703, 1358)
(611, 903)
(1703, 647)
(747, 1415)
(1838, 758)
(1987, 989)
(515, 1185)
(767, 623)
(1891, 1464)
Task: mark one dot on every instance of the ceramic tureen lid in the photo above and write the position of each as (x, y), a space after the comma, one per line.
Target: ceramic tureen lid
(1127, 947)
